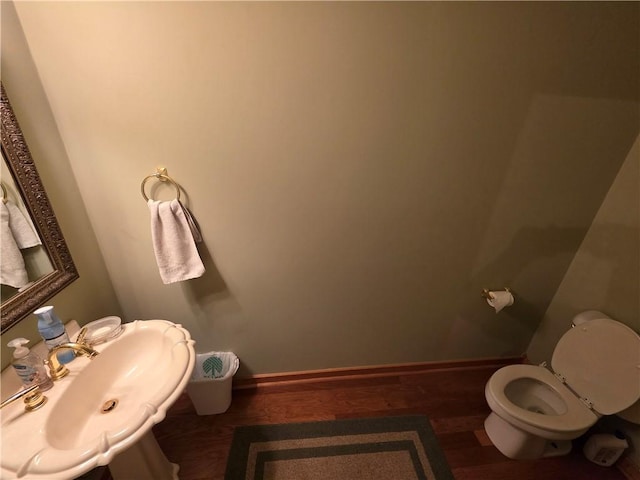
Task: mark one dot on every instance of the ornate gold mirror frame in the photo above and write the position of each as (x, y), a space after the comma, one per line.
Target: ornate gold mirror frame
(25, 174)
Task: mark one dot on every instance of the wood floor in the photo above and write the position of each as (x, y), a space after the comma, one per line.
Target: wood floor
(453, 399)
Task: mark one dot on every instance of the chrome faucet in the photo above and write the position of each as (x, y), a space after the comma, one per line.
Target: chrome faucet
(33, 398)
(56, 369)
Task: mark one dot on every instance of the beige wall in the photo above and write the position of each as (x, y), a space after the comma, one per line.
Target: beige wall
(604, 275)
(605, 272)
(91, 296)
(360, 171)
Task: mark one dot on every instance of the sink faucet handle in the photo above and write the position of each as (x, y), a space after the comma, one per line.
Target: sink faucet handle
(81, 335)
(33, 398)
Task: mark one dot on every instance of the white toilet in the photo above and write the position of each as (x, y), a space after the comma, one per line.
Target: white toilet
(595, 371)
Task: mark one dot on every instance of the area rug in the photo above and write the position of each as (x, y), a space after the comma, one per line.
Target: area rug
(384, 448)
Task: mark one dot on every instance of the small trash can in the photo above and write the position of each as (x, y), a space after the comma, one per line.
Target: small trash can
(210, 384)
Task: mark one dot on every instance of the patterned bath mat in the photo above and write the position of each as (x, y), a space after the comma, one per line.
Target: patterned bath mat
(384, 448)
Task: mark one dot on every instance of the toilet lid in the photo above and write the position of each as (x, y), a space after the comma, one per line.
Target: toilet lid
(600, 360)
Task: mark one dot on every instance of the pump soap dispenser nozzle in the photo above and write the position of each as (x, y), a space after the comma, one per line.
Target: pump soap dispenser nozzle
(29, 366)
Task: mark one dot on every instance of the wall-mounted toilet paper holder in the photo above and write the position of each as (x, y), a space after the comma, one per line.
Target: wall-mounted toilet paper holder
(498, 299)
(486, 293)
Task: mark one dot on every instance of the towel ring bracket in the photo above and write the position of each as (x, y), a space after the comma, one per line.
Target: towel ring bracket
(162, 176)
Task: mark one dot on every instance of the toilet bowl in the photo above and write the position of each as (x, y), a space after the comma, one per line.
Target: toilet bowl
(537, 411)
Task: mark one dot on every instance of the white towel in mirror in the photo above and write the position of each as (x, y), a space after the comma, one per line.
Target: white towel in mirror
(21, 227)
(12, 269)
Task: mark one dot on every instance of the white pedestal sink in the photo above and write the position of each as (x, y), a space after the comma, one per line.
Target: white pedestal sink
(144, 460)
(103, 411)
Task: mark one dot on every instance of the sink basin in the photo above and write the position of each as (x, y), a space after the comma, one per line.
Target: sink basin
(102, 407)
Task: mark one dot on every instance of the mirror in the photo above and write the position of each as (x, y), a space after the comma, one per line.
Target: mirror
(49, 266)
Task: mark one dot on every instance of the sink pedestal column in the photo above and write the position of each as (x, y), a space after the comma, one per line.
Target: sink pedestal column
(144, 460)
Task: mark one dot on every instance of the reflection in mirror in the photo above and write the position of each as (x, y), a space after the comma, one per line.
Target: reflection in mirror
(36, 263)
(24, 259)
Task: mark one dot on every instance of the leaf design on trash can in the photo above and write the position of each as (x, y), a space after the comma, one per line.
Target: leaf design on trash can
(212, 365)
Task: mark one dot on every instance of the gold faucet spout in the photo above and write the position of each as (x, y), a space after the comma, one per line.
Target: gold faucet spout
(56, 369)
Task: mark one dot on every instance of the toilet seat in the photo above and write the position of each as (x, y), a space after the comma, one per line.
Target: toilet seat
(577, 416)
(600, 361)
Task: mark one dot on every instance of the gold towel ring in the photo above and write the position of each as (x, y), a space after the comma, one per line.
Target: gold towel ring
(163, 178)
(4, 193)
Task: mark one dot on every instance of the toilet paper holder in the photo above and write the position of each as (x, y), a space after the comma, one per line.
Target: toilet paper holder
(486, 293)
(498, 299)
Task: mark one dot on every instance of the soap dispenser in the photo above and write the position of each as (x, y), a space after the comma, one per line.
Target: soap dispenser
(29, 366)
(53, 332)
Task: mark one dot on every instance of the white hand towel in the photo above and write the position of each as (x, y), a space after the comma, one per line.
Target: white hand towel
(21, 227)
(12, 269)
(173, 242)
